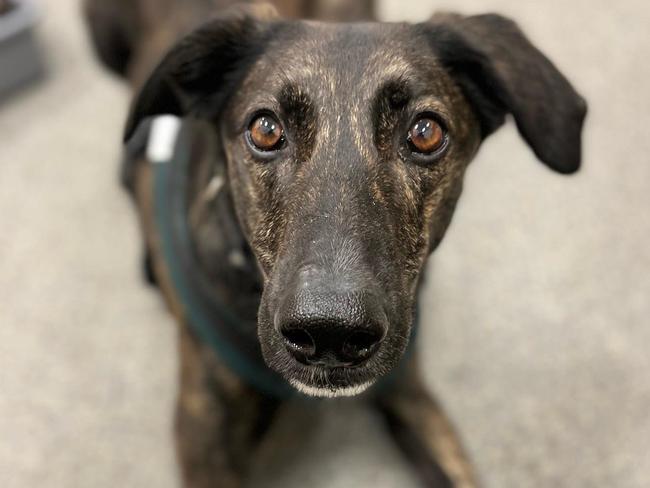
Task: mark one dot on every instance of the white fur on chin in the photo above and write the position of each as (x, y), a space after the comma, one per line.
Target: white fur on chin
(347, 391)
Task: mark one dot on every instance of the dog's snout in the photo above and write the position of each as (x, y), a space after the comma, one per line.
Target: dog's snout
(332, 330)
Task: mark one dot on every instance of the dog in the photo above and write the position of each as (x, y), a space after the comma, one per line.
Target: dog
(339, 149)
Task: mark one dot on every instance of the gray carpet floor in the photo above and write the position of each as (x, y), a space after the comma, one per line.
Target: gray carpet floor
(536, 316)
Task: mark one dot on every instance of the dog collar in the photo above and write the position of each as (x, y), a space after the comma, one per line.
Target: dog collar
(167, 140)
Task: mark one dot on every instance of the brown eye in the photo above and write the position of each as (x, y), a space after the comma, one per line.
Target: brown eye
(426, 136)
(266, 133)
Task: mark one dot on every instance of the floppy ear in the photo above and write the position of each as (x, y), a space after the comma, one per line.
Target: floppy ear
(197, 71)
(501, 72)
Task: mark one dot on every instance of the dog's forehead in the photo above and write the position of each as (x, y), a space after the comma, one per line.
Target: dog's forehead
(340, 71)
(338, 58)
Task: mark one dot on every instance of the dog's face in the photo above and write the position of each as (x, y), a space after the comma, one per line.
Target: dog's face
(346, 147)
(345, 169)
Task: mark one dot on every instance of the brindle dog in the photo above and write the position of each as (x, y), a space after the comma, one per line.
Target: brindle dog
(343, 147)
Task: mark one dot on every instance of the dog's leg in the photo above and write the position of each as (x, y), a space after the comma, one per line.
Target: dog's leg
(423, 432)
(219, 420)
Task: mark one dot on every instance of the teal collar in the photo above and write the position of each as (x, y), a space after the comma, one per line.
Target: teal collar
(235, 342)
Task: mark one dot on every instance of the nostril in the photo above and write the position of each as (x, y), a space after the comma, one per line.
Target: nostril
(360, 345)
(300, 341)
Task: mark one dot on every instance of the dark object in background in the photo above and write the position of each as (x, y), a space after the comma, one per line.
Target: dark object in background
(20, 59)
(5, 6)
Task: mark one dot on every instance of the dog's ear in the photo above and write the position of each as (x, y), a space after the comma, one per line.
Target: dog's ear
(501, 72)
(199, 66)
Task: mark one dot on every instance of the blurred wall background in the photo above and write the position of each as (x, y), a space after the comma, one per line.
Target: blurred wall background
(536, 316)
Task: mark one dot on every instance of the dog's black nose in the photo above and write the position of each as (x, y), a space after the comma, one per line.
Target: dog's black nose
(332, 330)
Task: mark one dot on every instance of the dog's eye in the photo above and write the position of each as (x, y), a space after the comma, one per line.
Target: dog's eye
(426, 136)
(265, 133)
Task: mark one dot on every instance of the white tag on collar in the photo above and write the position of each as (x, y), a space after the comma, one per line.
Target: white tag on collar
(162, 138)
